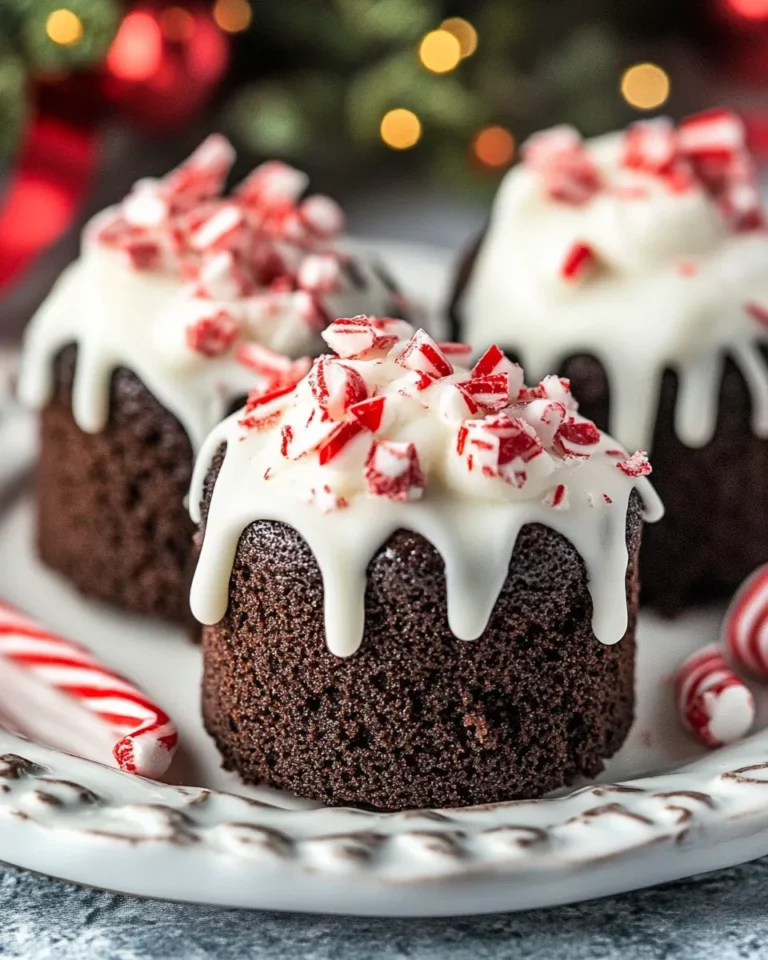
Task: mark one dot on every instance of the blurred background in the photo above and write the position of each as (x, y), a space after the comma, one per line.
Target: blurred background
(407, 111)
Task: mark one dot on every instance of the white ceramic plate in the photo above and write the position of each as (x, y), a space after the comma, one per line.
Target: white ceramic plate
(663, 809)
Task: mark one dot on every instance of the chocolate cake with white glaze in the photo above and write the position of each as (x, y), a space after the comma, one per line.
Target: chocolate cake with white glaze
(418, 582)
(636, 264)
(181, 301)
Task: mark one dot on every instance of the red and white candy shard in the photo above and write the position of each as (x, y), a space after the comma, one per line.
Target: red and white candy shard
(558, 498)
(213, 335)
(392, 470)
(636, 466)
(745, 628)
(715, 704)
(495, 361)
(145, 738)
(336, 386)
(322, 216)
(578, 263)
(272, 185)
(362, 337)
(319, 273)
(422, 354)
(577, 437)
(650, 146)
(499, 446)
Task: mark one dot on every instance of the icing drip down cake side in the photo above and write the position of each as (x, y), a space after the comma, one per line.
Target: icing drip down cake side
(419, 581)
(636, 264)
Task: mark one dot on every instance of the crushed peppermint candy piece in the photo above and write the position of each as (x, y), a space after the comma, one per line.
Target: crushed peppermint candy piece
(422, 354)
(270, 363)
(558, 498)
(392, 470)
(579, 262)
(375, 413)
(495, 361)
(360, 337)
(499, 446)
(319, 273)
(559, 156)
(458, 350)
(223, 230)
(273, 185)
(221, 276)
(636, 466)
(214, 335)
(456, 403)
(490, 392)
(202, 175)
(650, 146)
(573, 435)
(545, 416)
(322, 216)
(326, 500)
(336, 386)
(339, 441)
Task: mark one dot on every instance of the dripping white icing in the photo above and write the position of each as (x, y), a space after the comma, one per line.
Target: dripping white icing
(119, 315)
(670, 292)
(472, 521)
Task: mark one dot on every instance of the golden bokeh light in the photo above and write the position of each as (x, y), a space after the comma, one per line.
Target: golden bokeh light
(64, 27)
(645, 86)
(464, 32)
(233, 16)
(400, 129)
(494, 146)
(440, 51)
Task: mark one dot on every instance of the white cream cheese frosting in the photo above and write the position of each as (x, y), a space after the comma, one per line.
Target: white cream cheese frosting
(646, 249)
(394, 432)
(203, 297)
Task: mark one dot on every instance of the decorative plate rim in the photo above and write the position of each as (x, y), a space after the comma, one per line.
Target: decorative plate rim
(718, 797)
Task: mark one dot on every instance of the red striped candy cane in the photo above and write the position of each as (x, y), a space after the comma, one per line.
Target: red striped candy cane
(745, 628)
(145, 737)
(713, 702)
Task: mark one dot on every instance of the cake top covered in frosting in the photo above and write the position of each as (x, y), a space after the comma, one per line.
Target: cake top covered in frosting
(197, 292)
(398, 416)
(646, 248)
(395, 430)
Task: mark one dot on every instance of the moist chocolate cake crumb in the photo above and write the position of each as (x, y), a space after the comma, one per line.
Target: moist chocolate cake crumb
(416, 718)
(111, 515)
(715, 529)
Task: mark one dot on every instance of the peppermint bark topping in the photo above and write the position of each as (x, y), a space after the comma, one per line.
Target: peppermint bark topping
(390, 416)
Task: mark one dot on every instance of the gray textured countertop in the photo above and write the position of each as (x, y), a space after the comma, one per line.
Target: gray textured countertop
(719, 916)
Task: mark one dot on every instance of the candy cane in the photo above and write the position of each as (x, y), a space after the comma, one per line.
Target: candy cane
(713, 702)
(145, 737)
(745, 628)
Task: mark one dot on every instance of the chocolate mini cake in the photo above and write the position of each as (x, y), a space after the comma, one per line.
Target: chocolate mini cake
(419, 583)
(180, 303)
(637, 265)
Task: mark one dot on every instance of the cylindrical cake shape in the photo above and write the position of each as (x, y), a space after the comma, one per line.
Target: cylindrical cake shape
(111, 515)
(418, 582)
(636, 265)
(181, 301)
(417, 717)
